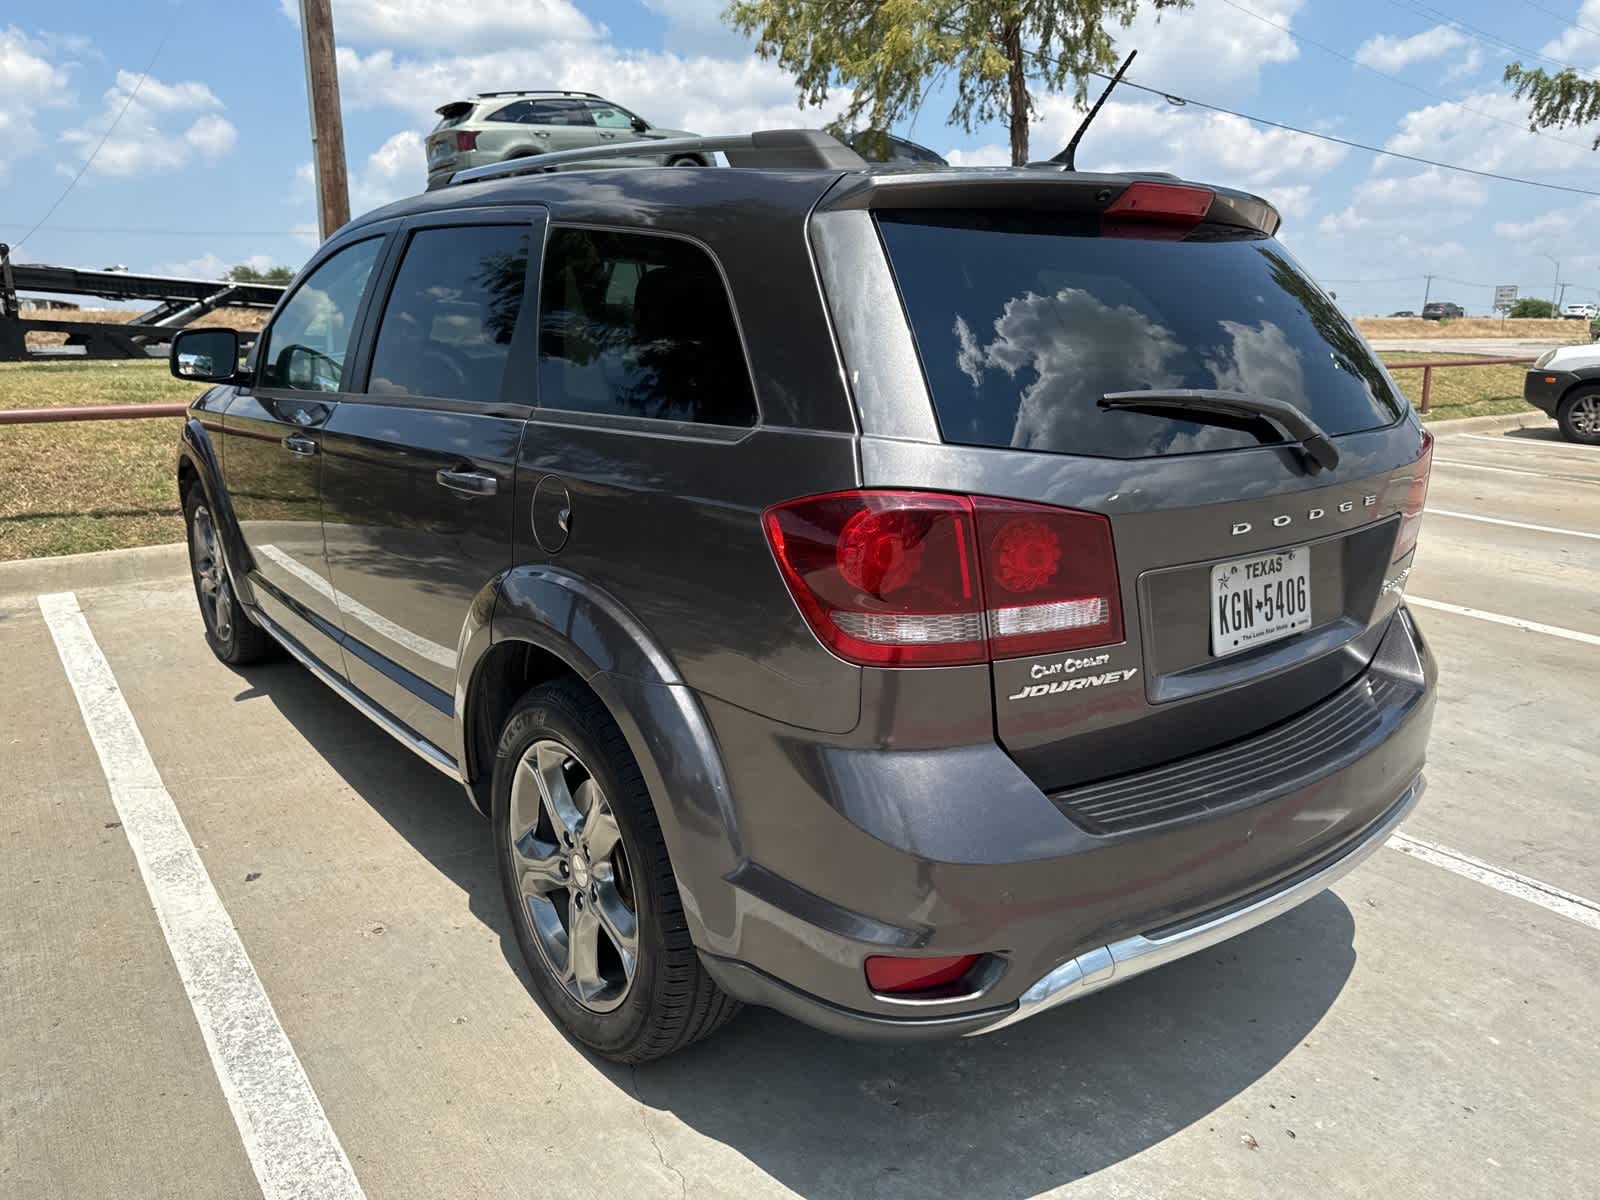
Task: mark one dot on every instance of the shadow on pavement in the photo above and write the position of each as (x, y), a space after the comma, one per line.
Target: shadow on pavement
(1009, 1115)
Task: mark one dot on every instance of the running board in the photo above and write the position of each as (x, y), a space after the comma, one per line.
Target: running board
(420, 746)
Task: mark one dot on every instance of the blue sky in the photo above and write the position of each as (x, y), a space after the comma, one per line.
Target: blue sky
(210, 164)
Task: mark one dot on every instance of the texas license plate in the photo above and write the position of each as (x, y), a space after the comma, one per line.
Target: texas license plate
(1259, 600)
(439, 151)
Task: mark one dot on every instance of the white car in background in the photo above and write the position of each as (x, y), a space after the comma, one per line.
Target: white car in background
(1586, 312)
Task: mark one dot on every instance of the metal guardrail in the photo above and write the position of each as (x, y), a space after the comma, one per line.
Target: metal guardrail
(1428, 365)
(90, 412)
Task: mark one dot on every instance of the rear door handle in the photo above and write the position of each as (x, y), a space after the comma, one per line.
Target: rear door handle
(468, 483)
(299, 445)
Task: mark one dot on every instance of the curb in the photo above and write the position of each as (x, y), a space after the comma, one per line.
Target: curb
(101, 568)
(1522, 420)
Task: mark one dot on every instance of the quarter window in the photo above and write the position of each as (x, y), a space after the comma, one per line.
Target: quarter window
(446, 330)
(640, 326)
(306, 346)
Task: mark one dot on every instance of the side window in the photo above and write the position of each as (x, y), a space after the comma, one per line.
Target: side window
(558, 112)
(520, 113)
(307, 343)
(638, 325)
(446, 329)
(608, 116)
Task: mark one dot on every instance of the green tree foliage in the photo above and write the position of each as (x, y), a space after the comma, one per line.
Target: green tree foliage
(1559, 100)
(244, 273)
(1530, 306)
(890, 53)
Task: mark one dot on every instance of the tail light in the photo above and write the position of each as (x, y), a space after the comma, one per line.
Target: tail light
(900, 579)
(895, 975)
(1416, 499)
(466, 139)
(1156, 210)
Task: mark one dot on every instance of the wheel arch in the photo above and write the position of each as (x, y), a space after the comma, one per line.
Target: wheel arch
(541, 623)
(198, 462)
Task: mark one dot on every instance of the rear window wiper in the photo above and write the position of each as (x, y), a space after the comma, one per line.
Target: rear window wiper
(1199, 403)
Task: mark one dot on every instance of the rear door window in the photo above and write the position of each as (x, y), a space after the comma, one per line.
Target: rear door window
(638, 325)
(1025, 320)
(446, 329)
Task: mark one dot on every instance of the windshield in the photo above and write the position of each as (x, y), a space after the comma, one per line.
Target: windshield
(1025, 320)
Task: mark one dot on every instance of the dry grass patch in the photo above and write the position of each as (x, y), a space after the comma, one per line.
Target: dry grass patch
(1473, 327)
(1461, 391)
(88, 485)
(228, 318)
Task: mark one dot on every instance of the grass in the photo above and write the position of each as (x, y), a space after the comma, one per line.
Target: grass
(1473, 327)
(1461, 391)
(88, 485)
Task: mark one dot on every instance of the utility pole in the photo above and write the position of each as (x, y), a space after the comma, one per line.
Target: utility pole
(1563, 298)
(1427, 291)
(1555, 287)
(327, 120)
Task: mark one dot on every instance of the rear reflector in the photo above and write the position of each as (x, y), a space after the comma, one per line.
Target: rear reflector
(466, 139)
(899, 578)
(1416, 499)
(900, 975)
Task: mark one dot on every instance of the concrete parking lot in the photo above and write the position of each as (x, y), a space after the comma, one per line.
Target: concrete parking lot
(1428, 1029)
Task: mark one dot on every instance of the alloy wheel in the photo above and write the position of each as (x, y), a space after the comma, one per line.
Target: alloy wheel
(573, 876)
(210, 575)
(1586, 415)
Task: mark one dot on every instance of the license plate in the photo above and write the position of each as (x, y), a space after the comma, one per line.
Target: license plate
(1259, 600)
(439, 151)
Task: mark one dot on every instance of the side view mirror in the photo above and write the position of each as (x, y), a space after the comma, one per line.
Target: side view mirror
(640, 125)
(205, 356)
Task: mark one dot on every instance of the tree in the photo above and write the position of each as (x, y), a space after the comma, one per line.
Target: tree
(890, 53)
(1530, 306)
(1558, 101)
(245, 273)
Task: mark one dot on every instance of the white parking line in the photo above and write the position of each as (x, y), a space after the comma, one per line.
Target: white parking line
(1461, 516)
(1573, 907)
(1478, 614)
(1573, 452)
(1455, 462)
(292, 1147)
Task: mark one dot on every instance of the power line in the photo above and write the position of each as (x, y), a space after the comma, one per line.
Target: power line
(1433, 14)
(1563, 18)
(1405, 83)
(73, 182)
(1174, 98)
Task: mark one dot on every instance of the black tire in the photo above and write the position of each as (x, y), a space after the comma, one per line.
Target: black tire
(232, 635)
(687, 160)
(670, 1001)
(1579, 416)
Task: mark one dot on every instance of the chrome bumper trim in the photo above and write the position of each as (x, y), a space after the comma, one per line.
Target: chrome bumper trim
(1131, 956)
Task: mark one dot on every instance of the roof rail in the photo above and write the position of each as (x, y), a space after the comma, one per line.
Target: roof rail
(536, 92)
(774, 148)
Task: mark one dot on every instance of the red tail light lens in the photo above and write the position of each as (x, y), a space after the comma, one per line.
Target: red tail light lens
(1416, 499)
(886, 579)
(466, 139)
(898, 579)
(899, 975)
(1049, 578)
(1143, 204)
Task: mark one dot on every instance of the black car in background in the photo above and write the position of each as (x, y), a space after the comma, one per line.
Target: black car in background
(909, 600)
(1442, 310)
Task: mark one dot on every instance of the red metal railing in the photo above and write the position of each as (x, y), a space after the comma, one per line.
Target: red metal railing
(92, 412)
(1428, 365)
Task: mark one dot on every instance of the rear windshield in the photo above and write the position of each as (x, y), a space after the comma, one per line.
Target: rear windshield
(1025, 320)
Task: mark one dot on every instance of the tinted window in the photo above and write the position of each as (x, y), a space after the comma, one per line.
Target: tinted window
(446, 330)
(609, 116)
(544, 112)
(306, 344)
(1025, 321)
(639, 326)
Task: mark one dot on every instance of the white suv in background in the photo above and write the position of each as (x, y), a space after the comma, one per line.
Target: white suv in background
(494, 126)
(1586, 312)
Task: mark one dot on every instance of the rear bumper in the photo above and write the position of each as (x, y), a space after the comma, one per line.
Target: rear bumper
(1095, 969)
(956, 852)
(1546, 396)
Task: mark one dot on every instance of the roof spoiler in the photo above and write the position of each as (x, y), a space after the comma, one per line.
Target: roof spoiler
(454, 109)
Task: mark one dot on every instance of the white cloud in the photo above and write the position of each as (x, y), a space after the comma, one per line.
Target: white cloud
(1579, 43)
(1558, 228)
(1211, 49)
(1457, 132)
(696, 27)
(210, 266)
(396, 169)
(1395, 206)
(151, 135)
(1471, 63)
(430, 24)
(29, 81)
(1385, 53)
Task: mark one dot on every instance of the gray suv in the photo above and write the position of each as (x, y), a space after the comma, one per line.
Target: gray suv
(906, 600)
(495, 126)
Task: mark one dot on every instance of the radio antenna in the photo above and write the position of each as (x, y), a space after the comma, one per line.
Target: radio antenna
(1068, 157)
